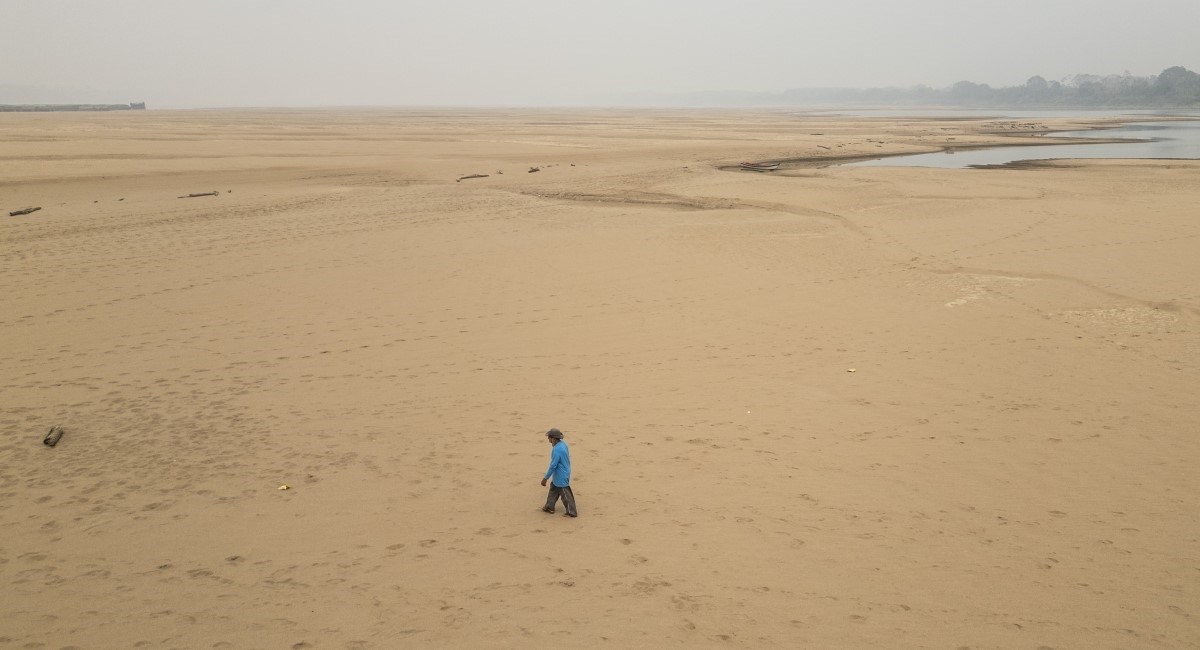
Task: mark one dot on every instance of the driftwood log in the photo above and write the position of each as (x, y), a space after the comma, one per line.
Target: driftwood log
(463, 178)
(760, 167)
(17, 213)
(192, 196)
(52, 438)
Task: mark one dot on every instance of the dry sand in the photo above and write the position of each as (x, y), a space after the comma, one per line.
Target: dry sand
(1011, 463)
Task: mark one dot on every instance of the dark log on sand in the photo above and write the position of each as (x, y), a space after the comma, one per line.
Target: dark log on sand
(52, 438)
(17, 213)
(192, 196)
(760, 167)
(463, 178)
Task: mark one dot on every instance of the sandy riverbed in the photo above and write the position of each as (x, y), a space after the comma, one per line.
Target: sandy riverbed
(828, 407)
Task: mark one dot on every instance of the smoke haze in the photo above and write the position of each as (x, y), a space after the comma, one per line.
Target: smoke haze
(172, 53)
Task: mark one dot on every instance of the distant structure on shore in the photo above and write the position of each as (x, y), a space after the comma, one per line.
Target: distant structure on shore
(56, 108)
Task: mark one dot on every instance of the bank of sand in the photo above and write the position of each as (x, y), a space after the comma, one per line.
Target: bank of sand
(827, 407)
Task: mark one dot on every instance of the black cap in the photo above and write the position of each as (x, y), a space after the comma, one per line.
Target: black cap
(554, 433)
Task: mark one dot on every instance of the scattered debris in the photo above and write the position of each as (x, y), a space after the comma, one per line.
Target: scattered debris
(52, 438)
(534, 169)
(192, 196)
(17, 213)
(463, 178)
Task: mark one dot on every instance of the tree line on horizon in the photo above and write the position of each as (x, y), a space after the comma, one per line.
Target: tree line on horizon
(1175, 86)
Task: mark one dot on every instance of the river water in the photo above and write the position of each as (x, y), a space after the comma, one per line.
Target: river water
(1155, 140)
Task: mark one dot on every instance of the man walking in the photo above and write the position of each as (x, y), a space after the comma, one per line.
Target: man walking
(559, 475)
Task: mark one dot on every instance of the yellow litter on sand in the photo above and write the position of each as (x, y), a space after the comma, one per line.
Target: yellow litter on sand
(285, 487)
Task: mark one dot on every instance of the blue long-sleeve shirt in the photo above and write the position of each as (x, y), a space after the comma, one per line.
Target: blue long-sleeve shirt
(560, 465)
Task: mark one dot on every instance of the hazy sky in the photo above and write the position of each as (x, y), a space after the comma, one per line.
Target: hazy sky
(173, 53)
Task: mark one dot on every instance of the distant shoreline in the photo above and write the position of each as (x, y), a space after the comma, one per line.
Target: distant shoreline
(66, 108)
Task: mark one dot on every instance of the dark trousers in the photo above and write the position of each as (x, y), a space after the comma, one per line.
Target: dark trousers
(567, 496)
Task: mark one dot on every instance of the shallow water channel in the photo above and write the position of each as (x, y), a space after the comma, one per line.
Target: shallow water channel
(1154, 140)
